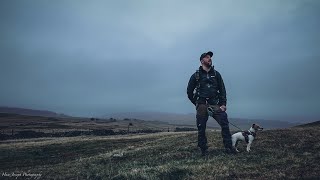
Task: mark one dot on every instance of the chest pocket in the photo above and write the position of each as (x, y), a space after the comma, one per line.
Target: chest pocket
(209, 80)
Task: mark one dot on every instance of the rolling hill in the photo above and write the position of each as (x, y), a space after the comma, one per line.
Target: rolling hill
(189, 119)
(292, 153)
(312, 124)
(30, 112)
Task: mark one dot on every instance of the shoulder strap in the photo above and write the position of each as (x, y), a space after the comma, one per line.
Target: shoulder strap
(197, 74)
(215, 76)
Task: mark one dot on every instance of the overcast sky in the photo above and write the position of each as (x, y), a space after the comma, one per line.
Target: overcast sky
(90, 58)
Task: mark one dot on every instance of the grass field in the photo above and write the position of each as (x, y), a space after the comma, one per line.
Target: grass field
(282, 153)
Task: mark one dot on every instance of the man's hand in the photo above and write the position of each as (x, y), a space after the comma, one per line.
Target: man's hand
(223, 108)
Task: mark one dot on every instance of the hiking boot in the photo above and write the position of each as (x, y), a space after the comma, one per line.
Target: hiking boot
(204, 151)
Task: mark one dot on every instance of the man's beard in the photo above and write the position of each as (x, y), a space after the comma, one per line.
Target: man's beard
(207, 64)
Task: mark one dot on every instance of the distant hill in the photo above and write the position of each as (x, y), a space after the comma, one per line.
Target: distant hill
(30, 112)
(189, 119)
(312, 124)
(172, 118)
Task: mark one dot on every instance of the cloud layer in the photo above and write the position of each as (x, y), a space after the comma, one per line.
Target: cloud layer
(93, 58)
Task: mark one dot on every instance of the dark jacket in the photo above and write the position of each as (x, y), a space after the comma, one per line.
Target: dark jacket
(211, 86)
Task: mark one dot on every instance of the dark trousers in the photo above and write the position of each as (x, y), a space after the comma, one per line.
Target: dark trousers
(221, 117)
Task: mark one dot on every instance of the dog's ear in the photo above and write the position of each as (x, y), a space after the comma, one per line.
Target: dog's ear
(253, 125)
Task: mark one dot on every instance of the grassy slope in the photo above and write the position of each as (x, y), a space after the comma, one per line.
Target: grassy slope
(289, 153)
(312, 124)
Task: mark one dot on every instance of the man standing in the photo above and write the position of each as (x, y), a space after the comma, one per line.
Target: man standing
(209, 90)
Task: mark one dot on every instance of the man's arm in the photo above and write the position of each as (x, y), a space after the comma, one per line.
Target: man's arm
(222, 90)
(191, 86)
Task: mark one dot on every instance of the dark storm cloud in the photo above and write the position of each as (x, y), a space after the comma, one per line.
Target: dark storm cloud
(93, 58)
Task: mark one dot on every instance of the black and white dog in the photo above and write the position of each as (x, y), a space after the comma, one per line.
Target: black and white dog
(247, 136)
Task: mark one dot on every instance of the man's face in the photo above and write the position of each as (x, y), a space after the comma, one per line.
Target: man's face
(206, 61)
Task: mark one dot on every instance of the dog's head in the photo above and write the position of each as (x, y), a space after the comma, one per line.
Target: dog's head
(256, 127)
